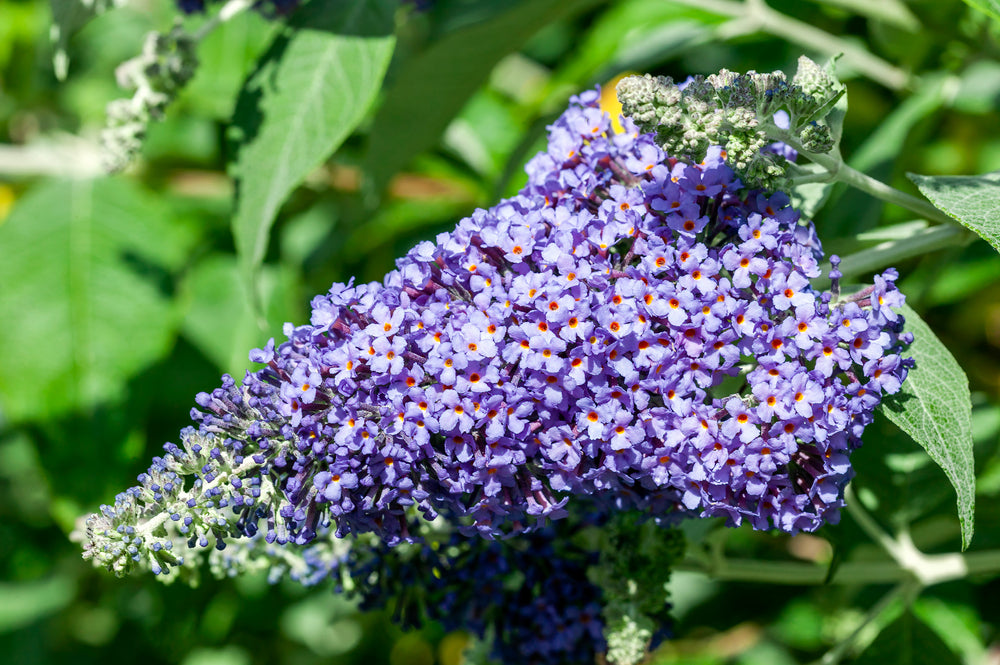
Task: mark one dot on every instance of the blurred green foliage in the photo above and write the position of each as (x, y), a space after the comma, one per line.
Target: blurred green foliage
(121, 298)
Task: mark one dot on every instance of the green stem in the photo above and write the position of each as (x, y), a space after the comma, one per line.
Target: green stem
(797, 574)
(841, 649)
(840, 172)
(951, 566)
(927, 569)
(810, 37)
(228, 11)
(811, 178)
(879, 189)
(891, 252)
(868, 523)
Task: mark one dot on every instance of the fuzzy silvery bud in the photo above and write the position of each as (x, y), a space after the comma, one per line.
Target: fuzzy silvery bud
(157, 75)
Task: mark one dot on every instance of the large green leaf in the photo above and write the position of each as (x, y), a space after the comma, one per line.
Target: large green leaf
(432, 88)
(68, 16)
(225, 58)
(310, 91)
(972, 200)
(79, 300)
(631, 34)
(935, 408)
(991, 7)
(908, 641)
(219, 319)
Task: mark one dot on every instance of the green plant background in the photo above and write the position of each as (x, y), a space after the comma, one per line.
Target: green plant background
(122, 297)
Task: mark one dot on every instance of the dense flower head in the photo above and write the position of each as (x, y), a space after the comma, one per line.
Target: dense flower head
(630, 328)
(530, 595)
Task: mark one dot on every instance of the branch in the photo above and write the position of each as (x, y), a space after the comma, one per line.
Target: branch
(810, 37)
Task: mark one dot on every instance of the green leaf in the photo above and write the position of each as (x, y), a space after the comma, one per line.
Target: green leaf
(935, 408)
(956, 623)
(21, 604)
(225, 58)
(809, 197)
(978, 88)
(219, 320)
(887, 140)
(310, 91)
(68, 16)
(633, 35)
(435, 85)
(908, 641)
(990, 7)
(484, 133)
(80, 301)
(893, 12)
(972, 200)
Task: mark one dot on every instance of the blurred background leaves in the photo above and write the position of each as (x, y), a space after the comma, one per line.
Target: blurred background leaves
(121, 298)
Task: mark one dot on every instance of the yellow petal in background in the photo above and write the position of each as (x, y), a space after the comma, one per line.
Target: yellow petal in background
(610, 103)
(6, 201)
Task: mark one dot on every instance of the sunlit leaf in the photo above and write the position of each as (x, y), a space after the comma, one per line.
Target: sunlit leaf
(991, 7)
(430, 89)
(935, 408)
(225, 57)
(80, 299)
(972, 200)
(310, 91)
(219, 319)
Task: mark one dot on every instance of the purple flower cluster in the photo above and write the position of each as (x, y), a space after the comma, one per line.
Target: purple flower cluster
(530, 595)
(629, 328)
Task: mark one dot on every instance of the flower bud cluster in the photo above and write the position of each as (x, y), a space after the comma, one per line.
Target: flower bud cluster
(630, 329)
(737, 112)
(528, 597)
(166, 64)
(635, 564)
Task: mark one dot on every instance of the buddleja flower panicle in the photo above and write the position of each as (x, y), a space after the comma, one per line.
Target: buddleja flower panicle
(632, 331)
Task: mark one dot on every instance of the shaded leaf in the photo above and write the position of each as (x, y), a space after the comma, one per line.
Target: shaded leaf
(225, 58)
(310, 91)
(935, 408)
(972, 200)
(430, 90)
(68, 16)
(957, 624)
(887, 140)
(21, 604)
(907, 641)
(81, 296)
(219, 319)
